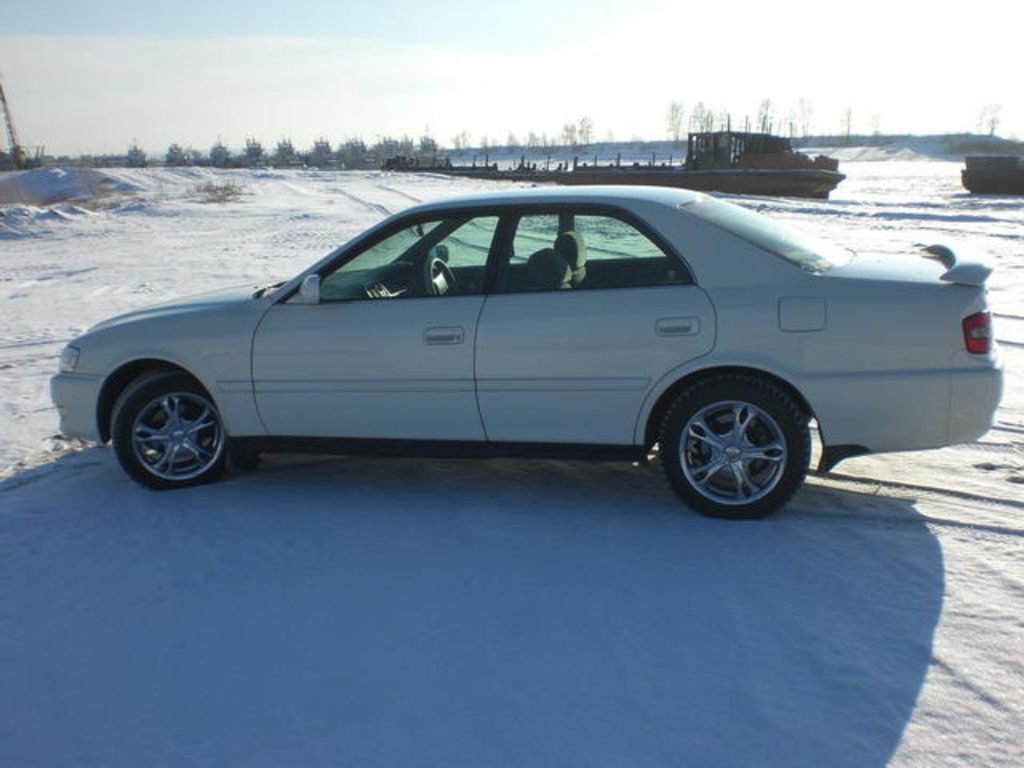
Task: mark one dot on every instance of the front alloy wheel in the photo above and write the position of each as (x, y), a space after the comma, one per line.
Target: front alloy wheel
(167, 433)
(177, 436)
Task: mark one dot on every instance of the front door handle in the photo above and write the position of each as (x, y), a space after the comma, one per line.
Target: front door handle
(448, 334)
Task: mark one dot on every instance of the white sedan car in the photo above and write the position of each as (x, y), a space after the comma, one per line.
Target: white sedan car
(580, 323)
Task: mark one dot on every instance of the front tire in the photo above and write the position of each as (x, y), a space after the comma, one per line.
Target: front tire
(167, 433)
(735, 446)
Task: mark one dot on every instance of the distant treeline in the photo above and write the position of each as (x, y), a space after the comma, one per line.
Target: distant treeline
(355, 154)
(350, 154)
(945, 143)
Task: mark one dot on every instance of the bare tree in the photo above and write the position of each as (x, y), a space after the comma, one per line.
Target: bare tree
(585, 130)
(460, 140)
(876, 124)
(846, 123)
(805, 111)
(702, 118)
(389, 146)
(675, 118)
(790, 122)
(570, 134)
(427, 146)
(764, 116)
(988, 118)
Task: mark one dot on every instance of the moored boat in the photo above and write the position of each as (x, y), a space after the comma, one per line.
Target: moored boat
(993, 174)
(721, 161)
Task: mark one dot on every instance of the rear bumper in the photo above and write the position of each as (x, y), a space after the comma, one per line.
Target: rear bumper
(883, 412)
(973, 398)
(75, 397)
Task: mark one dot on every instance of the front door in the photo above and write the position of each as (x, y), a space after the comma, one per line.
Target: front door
(388, 352)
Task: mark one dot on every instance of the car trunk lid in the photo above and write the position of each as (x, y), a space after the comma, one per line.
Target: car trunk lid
(933, 264)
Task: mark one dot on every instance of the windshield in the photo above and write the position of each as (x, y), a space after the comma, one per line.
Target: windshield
(806, 251)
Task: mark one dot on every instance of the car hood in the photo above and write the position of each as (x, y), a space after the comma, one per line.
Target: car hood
(202, 302)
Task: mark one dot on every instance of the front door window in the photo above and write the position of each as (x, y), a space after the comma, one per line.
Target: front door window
(433, 258)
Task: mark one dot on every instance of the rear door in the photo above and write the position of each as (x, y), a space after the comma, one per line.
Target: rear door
(570, 356)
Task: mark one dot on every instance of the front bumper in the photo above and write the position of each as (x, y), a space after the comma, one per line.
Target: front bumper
(75, 395)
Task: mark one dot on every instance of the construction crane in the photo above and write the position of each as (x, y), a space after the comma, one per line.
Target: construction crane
(17, 156)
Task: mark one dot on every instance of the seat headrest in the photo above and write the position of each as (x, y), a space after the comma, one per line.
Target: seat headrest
(570, 245)
(549, 270)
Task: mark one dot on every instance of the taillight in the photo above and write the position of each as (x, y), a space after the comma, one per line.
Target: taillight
(978, 333)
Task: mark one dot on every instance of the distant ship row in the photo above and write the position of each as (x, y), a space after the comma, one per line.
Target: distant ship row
(717, 161)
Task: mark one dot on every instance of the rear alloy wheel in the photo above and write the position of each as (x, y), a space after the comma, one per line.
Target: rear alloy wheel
(735, 446)
(167, 433)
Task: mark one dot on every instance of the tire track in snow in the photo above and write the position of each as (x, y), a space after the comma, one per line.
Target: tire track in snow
(1013, 429)
(929, 490)
(839, 482)
(34, 343)
(400, 193)
(986, 529)
(960, 680)
(376, 207)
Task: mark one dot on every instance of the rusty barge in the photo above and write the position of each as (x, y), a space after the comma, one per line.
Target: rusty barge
(993, 174)
(719, 161)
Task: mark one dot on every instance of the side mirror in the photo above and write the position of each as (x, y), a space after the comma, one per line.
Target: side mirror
(309, 291)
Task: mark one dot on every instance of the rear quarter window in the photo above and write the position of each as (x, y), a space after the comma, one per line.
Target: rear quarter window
(798, 248)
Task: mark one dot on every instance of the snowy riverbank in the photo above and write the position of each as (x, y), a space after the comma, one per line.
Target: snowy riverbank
(445, 613)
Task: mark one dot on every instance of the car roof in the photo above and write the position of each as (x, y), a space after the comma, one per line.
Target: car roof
(610, 195)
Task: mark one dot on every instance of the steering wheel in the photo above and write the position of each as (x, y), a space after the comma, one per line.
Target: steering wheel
(438, 277)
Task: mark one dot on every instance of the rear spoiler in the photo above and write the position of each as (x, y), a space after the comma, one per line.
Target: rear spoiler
(957, 271)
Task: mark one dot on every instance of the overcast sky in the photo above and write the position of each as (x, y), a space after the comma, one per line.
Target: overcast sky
(93, 76)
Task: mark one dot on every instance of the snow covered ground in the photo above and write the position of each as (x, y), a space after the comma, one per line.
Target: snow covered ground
(373, 612)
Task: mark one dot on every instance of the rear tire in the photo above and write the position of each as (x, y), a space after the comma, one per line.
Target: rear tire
(167, 433)
(735, 446)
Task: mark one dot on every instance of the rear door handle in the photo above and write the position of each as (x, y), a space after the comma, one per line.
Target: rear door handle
(448, 334)
(677, 326)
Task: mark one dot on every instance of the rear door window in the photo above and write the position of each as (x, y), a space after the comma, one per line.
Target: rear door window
(572, 250)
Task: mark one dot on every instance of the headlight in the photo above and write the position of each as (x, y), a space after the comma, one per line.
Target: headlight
(69, 359)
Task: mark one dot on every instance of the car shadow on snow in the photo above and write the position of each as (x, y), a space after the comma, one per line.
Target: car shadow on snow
(453, 613)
